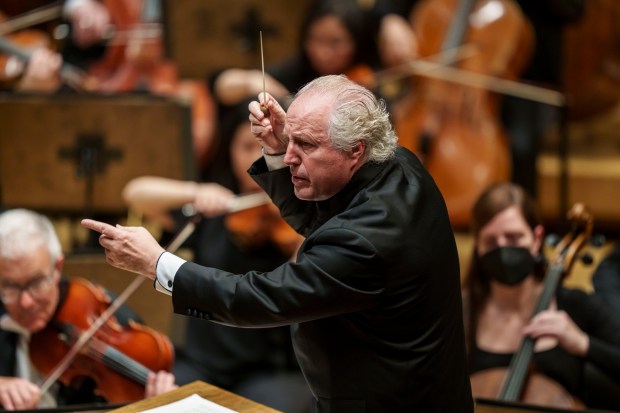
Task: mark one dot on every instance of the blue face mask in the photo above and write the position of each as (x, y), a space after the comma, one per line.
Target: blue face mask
(507, 265)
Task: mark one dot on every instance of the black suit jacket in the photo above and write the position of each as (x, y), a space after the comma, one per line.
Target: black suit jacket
(374, 297)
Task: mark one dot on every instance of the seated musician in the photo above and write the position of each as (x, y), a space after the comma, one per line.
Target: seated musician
(89, 20)
(577, 339)
(32, 290)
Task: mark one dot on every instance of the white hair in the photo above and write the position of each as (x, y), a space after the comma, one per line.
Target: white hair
(356, 115)
(22, 230)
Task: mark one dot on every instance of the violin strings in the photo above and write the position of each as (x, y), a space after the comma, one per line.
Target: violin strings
(118, 361)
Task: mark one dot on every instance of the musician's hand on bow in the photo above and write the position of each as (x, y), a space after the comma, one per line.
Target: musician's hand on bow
(18, 394)
(129, 248)
(212, 199)
(90, 22)
(268, 130)
(41, 73)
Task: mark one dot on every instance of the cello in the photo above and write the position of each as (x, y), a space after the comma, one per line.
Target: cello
(520, 382)
(455, 129)
(591, 75)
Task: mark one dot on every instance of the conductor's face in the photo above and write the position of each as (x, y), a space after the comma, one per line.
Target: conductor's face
(318, 169)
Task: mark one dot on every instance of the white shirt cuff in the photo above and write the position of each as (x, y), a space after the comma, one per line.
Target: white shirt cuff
(274, 161)
(167, 266)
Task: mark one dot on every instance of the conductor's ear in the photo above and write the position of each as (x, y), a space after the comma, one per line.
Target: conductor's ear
(359, 149)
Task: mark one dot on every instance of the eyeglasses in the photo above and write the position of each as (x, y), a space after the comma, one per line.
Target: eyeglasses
(37, 288)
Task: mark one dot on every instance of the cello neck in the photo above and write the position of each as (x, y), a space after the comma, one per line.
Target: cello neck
(513, 384)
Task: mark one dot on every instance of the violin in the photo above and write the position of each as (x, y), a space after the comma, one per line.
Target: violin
(362, 74)
(134, 54)
(520, 382)
(73, 76)
(28, 39)
(261, 224)
(134, 60)
(17, 39)
(118, 359)
(455, 129)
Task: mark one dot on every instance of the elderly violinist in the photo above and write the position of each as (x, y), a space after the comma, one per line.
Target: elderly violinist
(374, 298)
(32, 289)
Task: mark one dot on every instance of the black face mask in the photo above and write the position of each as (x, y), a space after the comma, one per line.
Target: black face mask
(507, 265)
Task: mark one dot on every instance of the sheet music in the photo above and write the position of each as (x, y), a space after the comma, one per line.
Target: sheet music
(191, 404)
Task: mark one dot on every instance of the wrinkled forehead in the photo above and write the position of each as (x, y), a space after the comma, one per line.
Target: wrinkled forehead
(309, 112)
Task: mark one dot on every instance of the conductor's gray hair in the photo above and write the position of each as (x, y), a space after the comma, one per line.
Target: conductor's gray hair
(22, 231)
(356, 115)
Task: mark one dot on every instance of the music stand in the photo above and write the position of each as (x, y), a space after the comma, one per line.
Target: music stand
(203, 36)
(75, 153)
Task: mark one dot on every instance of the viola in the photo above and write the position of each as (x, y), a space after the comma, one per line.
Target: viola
(118, 359)
(134, 60)
(21, 45)
(261, 224)
(455, 129)
(26, 39)
(520, 381)
(18, 39)
(134, 54)
(362, 74)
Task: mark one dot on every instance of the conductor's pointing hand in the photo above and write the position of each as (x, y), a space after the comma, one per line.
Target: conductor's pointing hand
(129, 248)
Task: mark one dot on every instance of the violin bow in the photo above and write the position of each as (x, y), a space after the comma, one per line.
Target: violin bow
(239, 203)
(64, 364)
(39, 15)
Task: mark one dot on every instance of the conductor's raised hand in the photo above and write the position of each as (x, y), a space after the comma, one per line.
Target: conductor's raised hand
(129, 248)
(268, 129)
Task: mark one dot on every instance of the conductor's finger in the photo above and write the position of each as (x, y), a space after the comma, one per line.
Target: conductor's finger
(100, 227)
(256, 114)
